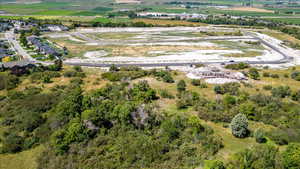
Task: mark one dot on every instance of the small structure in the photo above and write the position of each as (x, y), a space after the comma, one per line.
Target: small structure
(54, 28)
(160, 15)
(211, 72)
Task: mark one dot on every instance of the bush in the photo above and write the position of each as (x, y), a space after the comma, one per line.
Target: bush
(266, 74)
(281, 91)
(163, 75)
(181, 86)
(238, 66)
(268, 87)
(296, 95)
(165, 94)
(291, 156)
(275, 76)
(77, 68)
(230, 88)
(254, 74)
(72, 73)
(239, 126)
(196, 82)
(260, 136)
(258, 157)
(278, 136)
(12, 143)
(8, 81)
(123, 75)
(295, 75)
(213, 164)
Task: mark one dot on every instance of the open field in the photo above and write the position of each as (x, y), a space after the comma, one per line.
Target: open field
(295, 21)
(162, 22)
(250, 9)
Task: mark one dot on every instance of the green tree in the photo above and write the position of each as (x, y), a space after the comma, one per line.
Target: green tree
(71, 106)
(239, 126)
(23, 39)
(35, 31)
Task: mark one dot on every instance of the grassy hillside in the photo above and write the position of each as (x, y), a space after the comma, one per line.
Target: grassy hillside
(185, 126)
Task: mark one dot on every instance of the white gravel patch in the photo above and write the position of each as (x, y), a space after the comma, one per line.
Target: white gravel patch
(193, 56)
(65, 35)
(95, 54)
(220, 80)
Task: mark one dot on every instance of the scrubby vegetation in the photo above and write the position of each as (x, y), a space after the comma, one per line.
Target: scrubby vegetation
(126, 120)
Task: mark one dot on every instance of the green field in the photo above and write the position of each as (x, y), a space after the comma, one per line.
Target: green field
(104, 7)
(295, 21)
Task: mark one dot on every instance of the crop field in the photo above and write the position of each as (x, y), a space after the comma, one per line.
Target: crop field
(104, 7)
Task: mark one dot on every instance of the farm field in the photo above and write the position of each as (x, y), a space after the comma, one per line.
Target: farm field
(103, 8)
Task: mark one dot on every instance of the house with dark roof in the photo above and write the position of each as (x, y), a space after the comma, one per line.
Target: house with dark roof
(43, 48)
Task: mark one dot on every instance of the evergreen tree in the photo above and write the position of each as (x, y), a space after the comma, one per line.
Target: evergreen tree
(239, 126)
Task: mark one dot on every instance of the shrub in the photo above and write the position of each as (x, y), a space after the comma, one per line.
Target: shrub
(12, 143)
(239, 126)
(163, 75)
(281, 91)
(46, 79)
(258, 157)
(254, 74)
(238, 66)
(181, 86)
(165, 94)
(295, 75)
(260, 136)
(229, 100)
(278, 136)
(291, 156)
(296, 95)
(230, 88)
(266, 74)
(213, 164)
(196, 82)
(8, 81)
(268, 87)
(77, 68)
(123, 75)
(276, 76)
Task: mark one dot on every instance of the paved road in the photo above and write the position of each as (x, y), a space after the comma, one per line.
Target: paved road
(10, 36)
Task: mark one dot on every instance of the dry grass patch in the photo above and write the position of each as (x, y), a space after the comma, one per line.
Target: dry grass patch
(119, 36)
(137, 51)
(244, 54)
(287, 39)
